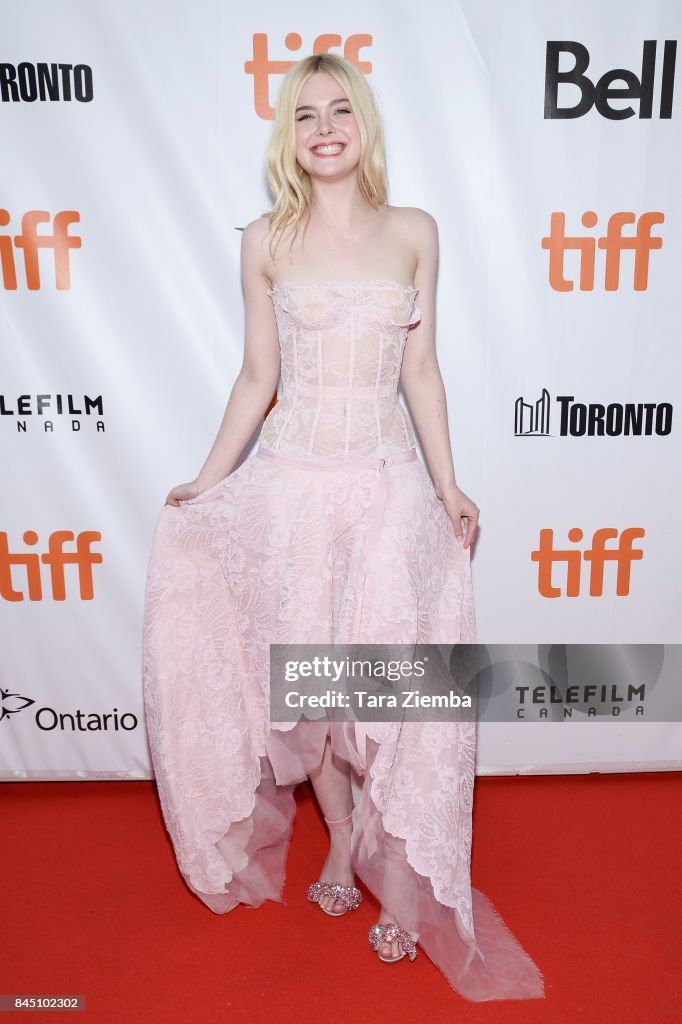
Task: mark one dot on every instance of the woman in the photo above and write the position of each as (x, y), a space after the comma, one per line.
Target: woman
(332, 533)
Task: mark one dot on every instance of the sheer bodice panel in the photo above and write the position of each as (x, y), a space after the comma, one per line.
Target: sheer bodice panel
(341, 347)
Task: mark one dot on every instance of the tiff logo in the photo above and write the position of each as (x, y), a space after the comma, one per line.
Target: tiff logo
(557, 242)
(623, 554)
(30, 242)
(83, 557)
(261, 66)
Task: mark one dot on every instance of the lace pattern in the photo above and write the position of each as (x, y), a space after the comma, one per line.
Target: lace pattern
(277, 552)
(341, 347)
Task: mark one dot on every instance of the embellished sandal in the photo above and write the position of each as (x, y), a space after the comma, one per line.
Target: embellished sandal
(346, 894)
(380, 933)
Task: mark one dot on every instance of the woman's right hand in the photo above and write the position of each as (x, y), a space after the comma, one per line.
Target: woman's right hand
(183, 492)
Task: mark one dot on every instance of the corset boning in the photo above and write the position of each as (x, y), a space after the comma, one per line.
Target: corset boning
(341, 351)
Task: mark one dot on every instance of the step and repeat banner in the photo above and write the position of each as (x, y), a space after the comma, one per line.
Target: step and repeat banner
(543, 137)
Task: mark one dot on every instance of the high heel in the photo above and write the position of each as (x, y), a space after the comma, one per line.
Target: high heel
(346, 894)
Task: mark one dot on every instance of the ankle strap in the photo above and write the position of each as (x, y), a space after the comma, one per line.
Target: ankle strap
(340, 822)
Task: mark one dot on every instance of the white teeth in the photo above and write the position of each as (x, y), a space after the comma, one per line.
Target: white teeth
(327, 149)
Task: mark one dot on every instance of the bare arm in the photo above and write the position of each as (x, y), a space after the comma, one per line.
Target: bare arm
(257, 379)
(420, 374)
(422, 382)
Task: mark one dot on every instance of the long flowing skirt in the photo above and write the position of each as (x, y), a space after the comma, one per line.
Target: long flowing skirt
(303, 550)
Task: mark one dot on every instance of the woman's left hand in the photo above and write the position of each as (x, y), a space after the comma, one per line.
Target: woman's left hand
(458, 506)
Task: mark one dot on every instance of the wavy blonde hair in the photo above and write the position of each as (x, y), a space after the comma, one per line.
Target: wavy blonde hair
(289, 183)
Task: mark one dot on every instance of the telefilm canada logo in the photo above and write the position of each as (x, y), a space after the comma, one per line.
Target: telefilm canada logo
(47, 413)
(573, 418)
(580, 682)
(49, 719)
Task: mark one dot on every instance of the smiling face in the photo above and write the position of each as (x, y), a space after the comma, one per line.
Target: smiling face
(328, 140)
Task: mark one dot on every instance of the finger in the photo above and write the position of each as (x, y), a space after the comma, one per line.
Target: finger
(463, 519)
(470, 529)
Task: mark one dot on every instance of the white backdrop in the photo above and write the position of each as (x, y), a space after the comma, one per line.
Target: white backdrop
(162, 166)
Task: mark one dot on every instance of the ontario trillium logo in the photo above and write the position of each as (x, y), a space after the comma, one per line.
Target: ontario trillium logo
(10, 703)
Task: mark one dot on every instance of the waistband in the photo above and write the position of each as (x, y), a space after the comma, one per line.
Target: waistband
(354, 391)
(342, 462)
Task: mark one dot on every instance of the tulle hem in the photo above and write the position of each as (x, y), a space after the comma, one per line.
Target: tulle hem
(472, 946)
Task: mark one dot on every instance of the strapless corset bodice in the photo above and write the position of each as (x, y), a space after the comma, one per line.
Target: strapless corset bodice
(341, 346)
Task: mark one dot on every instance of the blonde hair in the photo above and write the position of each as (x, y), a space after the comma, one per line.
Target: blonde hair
(289, 183)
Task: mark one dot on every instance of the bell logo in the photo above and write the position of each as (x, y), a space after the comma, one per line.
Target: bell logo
(56, 558)
(60, 241)
(623, 554)
(613, 243)
(607, 88)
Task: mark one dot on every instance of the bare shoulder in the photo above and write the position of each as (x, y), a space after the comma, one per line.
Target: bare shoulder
(255, 233)
(411, 219)
(417, 230)
(254, 245)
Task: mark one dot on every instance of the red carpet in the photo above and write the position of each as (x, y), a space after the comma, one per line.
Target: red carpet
(584, 869)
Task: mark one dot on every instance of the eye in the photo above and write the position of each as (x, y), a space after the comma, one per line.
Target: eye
(339, 110)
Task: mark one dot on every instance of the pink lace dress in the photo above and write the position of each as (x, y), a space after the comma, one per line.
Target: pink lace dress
(331, 533)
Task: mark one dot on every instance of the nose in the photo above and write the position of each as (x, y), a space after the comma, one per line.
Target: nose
(324, 125)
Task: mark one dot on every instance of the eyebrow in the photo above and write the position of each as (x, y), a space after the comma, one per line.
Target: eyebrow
(307, 107)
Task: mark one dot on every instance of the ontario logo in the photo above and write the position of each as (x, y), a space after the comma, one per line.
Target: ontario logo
(12, 703)
(50, 720)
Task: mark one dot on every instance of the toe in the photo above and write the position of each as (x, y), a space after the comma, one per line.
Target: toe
(390, 950)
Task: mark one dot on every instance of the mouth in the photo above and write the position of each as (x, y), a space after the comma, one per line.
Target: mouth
(328, 149)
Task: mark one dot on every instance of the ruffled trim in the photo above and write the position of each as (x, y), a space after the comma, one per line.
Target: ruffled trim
(365, 304)
(344, 285)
